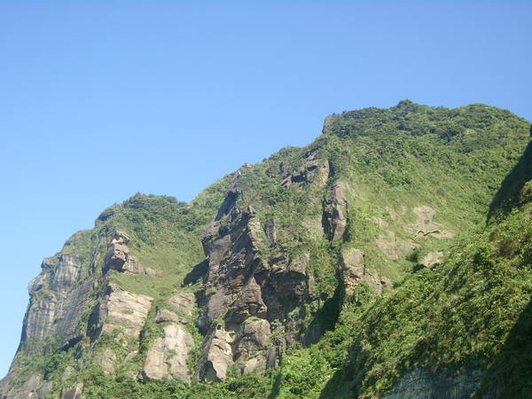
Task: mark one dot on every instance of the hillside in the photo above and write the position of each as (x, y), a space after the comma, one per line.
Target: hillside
(390, 257)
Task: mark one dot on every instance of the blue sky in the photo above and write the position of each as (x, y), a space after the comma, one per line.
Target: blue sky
(102, 99)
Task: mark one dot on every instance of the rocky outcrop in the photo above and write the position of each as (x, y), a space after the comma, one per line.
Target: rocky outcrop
(421, 383)
(335, 215)
(243, 294)
(121, 311)
(312, 170)
(425, 226)
(118, 257)
(65, 274)
(55, 300)
(354, 271)
(185, 302)
(216, 356)
(35, 387)
(167, 356)
(431, 260)
(74, 392)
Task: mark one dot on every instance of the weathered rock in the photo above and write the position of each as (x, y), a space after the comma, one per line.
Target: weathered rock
(248, 303)
(252, 338)
(336, 212)
(432, 260)
(107, 361)
(122, 310)
(74, 392)
(354, 270)
(39, 318)
(389, 243)
(421, 383)
(185, 302)
(33, 388)
(167, 357)
(216, 356)
(424, 226)
(118, 256)
(65, 274)
(165, 315)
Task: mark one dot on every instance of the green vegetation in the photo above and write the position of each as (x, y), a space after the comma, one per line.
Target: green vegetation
(415, 180)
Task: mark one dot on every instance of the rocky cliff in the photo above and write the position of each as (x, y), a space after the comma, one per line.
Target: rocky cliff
(293, 264)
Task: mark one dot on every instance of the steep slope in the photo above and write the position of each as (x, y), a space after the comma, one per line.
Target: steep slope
(162, 294)
(463, 329)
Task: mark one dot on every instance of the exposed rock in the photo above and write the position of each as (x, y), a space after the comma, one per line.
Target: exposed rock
(167, 357)
(271, 233)
(74, 392)
(184, 301)
(118, 256)
(216, 356)
(67, 321)
(39, 318)
(122, 310)
(165, 315)
(421, 383)
(335, 216)
(107, 361)
(354, 271)
(250, 343)
(431, 260)
(312, 169)
(33, 388)
(425, 226)
(65, 273)
(389, 243)
(248, 303)
(254, 364)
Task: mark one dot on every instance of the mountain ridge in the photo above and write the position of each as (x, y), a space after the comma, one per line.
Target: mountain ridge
(227, 287)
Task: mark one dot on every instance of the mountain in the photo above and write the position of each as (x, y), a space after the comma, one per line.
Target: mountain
(389, 258)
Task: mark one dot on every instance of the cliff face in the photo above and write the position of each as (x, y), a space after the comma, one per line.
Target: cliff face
(269, 265)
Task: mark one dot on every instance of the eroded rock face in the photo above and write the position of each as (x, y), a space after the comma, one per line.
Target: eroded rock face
(431, 260)
(118, 256)
(65, 273)
(421, 383)
(39, 319)
(51, 293)
(336, 212)
(216, 356)
(354, 271)
(185, 302)
(33, 388)
(167, 356)
(312, 170)
(74, 392)
(425, 226)
(243, 294)
(122, 310)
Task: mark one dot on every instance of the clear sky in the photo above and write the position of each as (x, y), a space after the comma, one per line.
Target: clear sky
(102, 99)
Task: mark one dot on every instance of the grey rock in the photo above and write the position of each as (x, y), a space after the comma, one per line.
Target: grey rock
(432, 260)
(336, 212)
(216, 356)
(424, 384)
(354, 270)
(167, 356)
(185, 302)
(65, 274)
(74, 392)
(122, 310)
